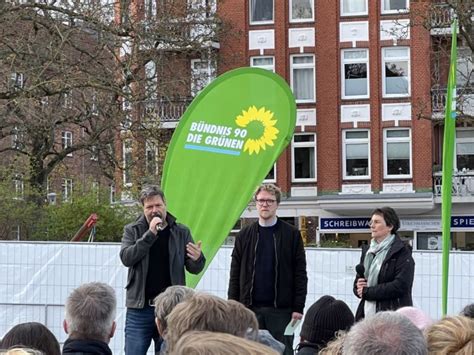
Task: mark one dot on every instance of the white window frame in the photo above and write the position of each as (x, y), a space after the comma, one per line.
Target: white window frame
(360, 13)
(294, 67)
(127, 148)
(461, 140)
(66, 190)
(345, 142)
(295, 145)
(266, 67)
(274, 180)
(397, 140)
(354, 61)
(66, 141)
(298, 20)
(17, 81)
(392, 59)
(385, 11)
(209, 71)
(263, 22)
(19, 186)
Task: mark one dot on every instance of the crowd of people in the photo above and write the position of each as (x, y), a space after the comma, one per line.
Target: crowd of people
(266, 297)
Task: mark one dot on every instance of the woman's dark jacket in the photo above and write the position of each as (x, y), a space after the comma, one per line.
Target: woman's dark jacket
(290, 276)
(395, 281)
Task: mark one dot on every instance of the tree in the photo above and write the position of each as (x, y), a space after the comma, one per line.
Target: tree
(436, 16)
(101, 70)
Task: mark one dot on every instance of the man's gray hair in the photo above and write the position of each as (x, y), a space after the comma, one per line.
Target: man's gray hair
(168, 299)
(387, 333)
(151, 191)
(90, 311)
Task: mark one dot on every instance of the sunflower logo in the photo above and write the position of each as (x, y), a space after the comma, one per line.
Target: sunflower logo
(262, 122)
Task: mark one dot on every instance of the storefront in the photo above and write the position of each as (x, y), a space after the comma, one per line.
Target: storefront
(422, 233)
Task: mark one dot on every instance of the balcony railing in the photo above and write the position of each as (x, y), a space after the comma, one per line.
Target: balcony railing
(465, 101)
(463, 184)
(166, 110)
(441, 15)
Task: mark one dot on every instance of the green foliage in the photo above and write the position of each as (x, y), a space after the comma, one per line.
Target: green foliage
(64, 220)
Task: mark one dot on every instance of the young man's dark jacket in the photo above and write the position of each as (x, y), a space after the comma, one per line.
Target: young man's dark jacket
(134, 253)
(290, 262)
(394, 283)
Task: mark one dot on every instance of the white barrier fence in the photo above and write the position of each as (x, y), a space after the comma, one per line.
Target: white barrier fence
(36, 278)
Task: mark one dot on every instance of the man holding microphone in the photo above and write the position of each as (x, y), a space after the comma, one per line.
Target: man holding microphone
(157, 250)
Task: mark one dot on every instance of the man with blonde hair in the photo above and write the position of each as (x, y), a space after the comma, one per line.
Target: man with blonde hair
(268, 269)
(90, 319)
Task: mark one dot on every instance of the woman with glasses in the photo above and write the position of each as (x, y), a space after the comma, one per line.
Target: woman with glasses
(385, 274)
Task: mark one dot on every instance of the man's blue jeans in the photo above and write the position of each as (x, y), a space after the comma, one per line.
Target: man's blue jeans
(140, 328)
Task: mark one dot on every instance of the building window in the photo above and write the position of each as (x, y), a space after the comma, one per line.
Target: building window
(112, 193)
(353, 7)
(355, 66)
(127, 162)
(303, 78)
(303, 157)
(126, 108)
(66, 141)
(356, 156)
(271, 176)
(261, 11)
(202, 73)
(267, 63)
(150, 9)
(17, 81)
(397, 153)
(301, 10)
(151, 156)
(94, 153)
(396, 75)
(391, 6)
(18, 138)
(18, 186)
(67, 190)
(66, 100)
(465, 149)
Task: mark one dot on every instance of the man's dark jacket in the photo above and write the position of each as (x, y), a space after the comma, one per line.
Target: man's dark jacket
(395, 281)
(85, 347)
(290, 264)
(134, 253)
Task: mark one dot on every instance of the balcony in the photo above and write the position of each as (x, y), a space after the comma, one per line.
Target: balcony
(465, 102)
(166, 111)
(441, 17)
(463, 185)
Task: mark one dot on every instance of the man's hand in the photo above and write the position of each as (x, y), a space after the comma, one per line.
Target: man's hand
(193, 250)
(153, 223)
(295, 316)
(361, 283)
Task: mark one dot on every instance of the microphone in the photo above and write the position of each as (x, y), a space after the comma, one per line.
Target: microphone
(159, 226)
(360, 269)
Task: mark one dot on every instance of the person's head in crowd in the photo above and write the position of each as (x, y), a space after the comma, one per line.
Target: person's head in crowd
(166, 301)
(34, 335)
(16, 350)
(204, 312)
(324, 319)
(468, 311)
(451, 335)
(215, 343)
(388, 219)
(264, 337)
(417, 316)
(334, 347)
(90, 312)
(388, 333)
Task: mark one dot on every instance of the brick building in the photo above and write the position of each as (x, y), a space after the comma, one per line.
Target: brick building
(368, 81)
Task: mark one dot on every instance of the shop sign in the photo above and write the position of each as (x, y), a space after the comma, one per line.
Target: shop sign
(345, 223)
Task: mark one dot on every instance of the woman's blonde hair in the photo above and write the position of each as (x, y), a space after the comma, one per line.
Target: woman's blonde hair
(21, 351)
(214, 343)
(451, 335)
(334, 347)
